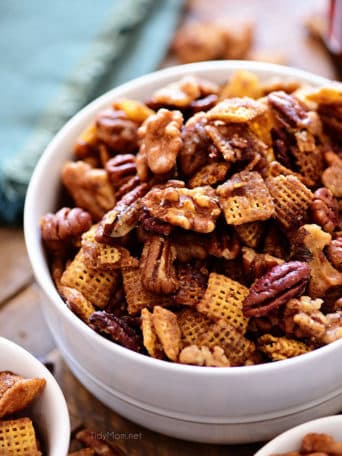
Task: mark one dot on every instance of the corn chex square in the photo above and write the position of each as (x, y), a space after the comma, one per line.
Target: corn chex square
(245, 198)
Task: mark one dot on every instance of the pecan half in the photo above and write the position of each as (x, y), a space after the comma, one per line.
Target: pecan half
(117, 131)
(89, 188)
(324, 209)
(275, 288)
(130, 185)
(124, 217)
(153, 225)
(334, 253)
(161, 140)
(191, 209)
(121, 169)
(290, 112)
(308, 245)
(116, 329)
(332, 178)
(65, 224)
(156, 265)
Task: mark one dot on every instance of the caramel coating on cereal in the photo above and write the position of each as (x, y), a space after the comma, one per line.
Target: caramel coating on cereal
(245, 198)
(168, 331)
(16, 392)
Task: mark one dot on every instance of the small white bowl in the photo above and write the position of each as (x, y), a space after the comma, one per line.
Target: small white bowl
(217, 405)
(291, 439)
(49, 410)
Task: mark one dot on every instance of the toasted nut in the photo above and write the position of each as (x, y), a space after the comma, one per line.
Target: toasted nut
(203, 356)
(65, 224)
(157, 271)
(124, 217)
(194, 209)
(161, 140)
(117, 131)
(324, 209)
(90, 188)
(116, 329)
(290, 112)
(334, 253)
(121, 169)
(276, 288)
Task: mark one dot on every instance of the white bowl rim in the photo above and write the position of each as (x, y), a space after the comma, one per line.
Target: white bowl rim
(30, 228)
(58, 397)
(297, 432)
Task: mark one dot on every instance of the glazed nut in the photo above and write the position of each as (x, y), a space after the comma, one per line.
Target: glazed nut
(274, 289)
(116, 329)
(65, 224)
(203, 356)
(324, 209)
(89, 187)
(121, 169)
(191, 209)
(161, 140)
(124, 217)
(334, 253)
(117, 131)
(156, 265)
(290, 112)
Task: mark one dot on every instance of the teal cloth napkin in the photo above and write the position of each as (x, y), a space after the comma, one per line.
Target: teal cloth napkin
(57, 56)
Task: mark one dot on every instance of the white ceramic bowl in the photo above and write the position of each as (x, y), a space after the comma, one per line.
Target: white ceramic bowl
(49, 411)
(223, 405)
(291, 439)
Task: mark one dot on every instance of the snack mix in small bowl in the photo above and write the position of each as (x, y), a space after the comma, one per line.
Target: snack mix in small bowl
(17, 430)
(203, 227)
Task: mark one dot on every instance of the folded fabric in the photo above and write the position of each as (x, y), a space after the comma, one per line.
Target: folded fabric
(55, 58)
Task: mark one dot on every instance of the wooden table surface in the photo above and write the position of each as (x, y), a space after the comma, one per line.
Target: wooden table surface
(279, 29)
